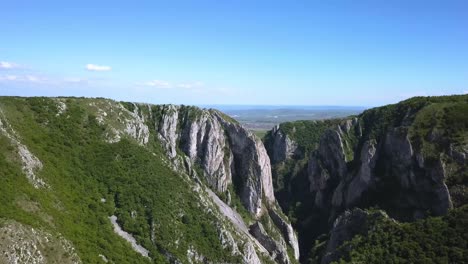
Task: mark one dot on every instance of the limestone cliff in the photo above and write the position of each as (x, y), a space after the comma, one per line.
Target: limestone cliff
(223, 150)
(227, 155)
(213, 149)
(387, 164)
(282, 146)
(399, 158)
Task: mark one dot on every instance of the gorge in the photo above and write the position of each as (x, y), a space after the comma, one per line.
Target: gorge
(192, 185)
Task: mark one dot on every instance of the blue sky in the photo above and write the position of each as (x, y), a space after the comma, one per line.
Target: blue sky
(364, 53)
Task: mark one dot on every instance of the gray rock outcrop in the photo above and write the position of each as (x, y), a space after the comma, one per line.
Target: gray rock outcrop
(287, 232)
(283, 146)
(421, 185)
(167, 129)
(222, 149)
(24, 244)
(202, 139)
(362, 181)
(227, 154)
(345, 227)
(250, 256)
(277, 249)
(136, 126)
(252, 166)
(30, 164)
(327, 167)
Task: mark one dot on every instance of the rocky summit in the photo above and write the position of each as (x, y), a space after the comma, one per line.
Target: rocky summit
(92, 180)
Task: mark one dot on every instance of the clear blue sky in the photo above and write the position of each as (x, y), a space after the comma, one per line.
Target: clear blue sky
(235, 52)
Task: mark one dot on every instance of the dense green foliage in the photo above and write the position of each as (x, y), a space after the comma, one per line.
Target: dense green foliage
(307, 133)
(150, 200)
(447, 114)
(440, 126)
(437, 127)
(432, 240)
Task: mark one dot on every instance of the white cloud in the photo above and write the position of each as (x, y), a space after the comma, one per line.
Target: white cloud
(7, 65)
(94, 67)
(33, 78)
(23, 78)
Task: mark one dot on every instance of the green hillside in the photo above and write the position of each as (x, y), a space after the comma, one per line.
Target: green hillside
(87, 180)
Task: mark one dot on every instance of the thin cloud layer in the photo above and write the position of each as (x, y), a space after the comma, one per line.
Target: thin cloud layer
(8, 65)
(23, 78)
(75, 80)
(94, 67)
(42, 80)
(8, 78)
(158, 84)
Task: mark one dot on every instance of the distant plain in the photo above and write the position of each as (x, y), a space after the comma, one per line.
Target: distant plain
(263, 118)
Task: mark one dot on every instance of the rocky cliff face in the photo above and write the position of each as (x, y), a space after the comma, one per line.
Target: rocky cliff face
(287, 231)
(222, 149)
(417, 186)
(215, 149)
(281, 146)
(227, 155)
(397, 157)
